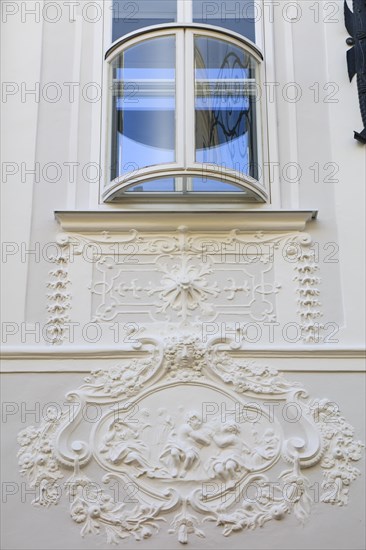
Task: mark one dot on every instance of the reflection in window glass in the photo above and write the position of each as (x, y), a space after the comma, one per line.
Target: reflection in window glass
(184, 185)
(132, 15)
(236, 15)
(143, 106)
(162, 185)
(213, 186)
(225, 104)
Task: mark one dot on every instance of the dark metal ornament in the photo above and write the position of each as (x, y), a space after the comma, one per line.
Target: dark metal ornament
(356, 56)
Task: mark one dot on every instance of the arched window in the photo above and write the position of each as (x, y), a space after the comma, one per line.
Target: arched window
(184, 111)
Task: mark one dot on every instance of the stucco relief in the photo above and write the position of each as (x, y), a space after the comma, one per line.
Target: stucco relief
(183, 437)
(59, 297)
(189, 277)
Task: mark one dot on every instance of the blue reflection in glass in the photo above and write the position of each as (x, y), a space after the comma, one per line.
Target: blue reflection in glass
(225, 106)
(213, 186)
(163, 185)
(134, 15)
(143, 110)
(236, 15)
(184, 185)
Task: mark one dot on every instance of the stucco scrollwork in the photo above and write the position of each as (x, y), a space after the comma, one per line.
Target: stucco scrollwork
(185, 434)
(188, 277)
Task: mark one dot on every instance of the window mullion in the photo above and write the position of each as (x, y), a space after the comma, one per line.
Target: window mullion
(184, 11)
(180, 100)
(189, 99)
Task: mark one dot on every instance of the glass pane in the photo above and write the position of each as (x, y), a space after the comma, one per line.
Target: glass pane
(163, 185)
(214, 186)
(236, 15)
(129, 16)
(225, 103)
(183, 185)
(143, 106)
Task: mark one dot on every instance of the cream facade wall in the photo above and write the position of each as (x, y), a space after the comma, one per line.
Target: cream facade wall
(180, 279)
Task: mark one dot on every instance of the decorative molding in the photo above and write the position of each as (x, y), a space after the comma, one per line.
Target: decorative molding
(188, 431)
(183, 269)
(83, 352)
(59, 298)
(308, 294)
(296, 250)
(188, 276)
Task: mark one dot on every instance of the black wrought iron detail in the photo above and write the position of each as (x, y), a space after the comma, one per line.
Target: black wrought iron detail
(356, 56)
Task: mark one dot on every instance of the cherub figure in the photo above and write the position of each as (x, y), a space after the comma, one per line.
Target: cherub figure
(231, 458)
(182, 450)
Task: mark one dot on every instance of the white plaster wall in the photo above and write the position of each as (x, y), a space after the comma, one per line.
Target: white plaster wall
(305, 52)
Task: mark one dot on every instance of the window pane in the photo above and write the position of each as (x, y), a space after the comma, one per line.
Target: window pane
(129, 16)
(143, 106)
(162, 185)
(236, 15)
(225, 106)
(214, 186)
(185, 185)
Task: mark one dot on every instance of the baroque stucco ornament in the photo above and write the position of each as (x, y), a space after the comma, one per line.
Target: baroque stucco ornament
(182, 435)
(186, 278)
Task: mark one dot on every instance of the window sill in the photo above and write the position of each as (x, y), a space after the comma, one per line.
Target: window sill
(201, 220)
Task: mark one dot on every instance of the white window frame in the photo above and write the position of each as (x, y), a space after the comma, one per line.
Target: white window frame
(266, 119)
